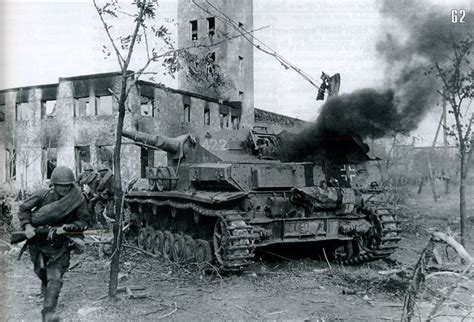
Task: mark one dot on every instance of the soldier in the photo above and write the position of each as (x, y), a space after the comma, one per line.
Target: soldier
(87, 177)
(105, 195)
(88, 181)
(62, 207)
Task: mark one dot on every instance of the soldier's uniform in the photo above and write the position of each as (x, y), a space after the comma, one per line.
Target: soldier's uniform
(105, 195)
(51, 256)
(90, 179)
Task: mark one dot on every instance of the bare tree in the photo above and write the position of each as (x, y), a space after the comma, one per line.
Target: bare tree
(457, 88)
(157, 43)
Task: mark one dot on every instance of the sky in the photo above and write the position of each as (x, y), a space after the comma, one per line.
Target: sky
(44, 40)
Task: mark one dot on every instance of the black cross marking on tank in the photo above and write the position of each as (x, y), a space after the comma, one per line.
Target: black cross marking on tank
(348, 172)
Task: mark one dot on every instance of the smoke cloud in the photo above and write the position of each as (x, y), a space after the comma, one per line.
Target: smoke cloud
(415, 39)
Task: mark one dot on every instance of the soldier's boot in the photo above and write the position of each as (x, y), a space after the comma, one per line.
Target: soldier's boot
(50, 317)
(50, 300)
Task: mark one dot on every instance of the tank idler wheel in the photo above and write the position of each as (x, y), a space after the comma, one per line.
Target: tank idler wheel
(141, 238)
(203, 253)
(168, 245)
(158, 243)
(178, 248)
(189, 248)
(149, 237)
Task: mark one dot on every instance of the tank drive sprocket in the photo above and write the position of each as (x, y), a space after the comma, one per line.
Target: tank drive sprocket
(233, 242)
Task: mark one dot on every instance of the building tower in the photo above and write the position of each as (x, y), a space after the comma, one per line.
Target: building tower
(234, 57)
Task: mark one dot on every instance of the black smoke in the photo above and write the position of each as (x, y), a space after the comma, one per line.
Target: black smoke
(415, 39)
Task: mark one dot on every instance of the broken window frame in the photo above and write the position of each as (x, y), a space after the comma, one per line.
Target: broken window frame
(87, 106)
(194, 29)
(44, 109)
(211, 26)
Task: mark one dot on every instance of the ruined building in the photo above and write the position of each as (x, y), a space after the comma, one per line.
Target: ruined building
(74, 121)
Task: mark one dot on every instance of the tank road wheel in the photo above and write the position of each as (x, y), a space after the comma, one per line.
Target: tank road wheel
(141, 238)
(168, 244)
(158, 242)
(178, 248)
(149, 240)
(189, 248)
(203, 252)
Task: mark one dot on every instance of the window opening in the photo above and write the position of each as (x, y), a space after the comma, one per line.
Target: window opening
(207, 117)
(241, 60)
(104, 105)
(194, 29)
(146, 106)
(211, 59)
(224, 121)
(2, 113)
(48, 109)
(82, 107)
(147, 159)
(49, 161)
(83, 155)
(187, 113)
(235, 122)
(10, 164)
(211, 26)
(20, 111)
(105, 155)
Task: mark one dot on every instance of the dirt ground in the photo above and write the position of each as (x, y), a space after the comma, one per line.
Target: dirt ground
(271, 289)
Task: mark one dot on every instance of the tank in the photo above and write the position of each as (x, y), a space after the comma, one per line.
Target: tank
(202, 207)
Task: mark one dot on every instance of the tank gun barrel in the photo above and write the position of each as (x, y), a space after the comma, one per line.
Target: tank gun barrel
(174, 146)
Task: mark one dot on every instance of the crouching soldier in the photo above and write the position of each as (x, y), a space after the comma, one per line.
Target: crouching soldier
(105, 195)
(62, 207)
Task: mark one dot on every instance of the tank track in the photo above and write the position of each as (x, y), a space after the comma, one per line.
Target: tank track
(233, 248)
(380, 242)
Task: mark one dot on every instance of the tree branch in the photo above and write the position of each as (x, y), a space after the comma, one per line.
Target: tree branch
(106, 27)
(139, 20)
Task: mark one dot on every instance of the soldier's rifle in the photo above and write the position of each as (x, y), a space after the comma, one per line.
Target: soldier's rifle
(19, 236)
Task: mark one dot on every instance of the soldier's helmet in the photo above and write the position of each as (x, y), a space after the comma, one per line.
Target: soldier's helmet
(102, 167)
(88, 167)
(62, 176)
